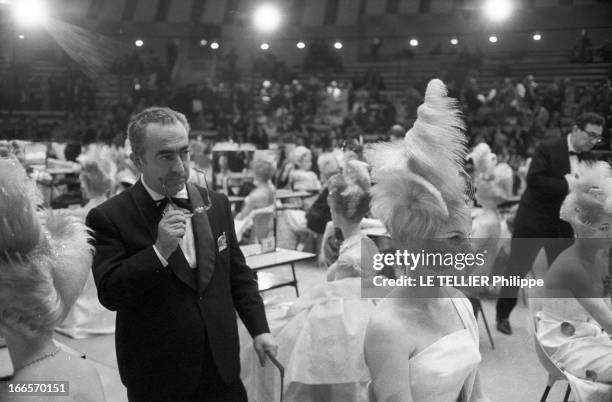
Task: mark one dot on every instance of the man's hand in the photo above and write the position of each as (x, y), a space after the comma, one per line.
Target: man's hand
(169, 232)
(264, 343)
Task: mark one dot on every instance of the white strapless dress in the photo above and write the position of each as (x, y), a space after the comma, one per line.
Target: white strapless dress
(446, 370)
(577, 344)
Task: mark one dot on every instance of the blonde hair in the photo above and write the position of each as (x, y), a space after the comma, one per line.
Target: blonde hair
(349, 193)
(298, 153)
(42, 269)
(99, 169)
(590, 194)
(263, 169)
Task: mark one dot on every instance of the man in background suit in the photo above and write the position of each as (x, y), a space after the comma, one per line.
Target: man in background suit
(537, 217)
(167, 260)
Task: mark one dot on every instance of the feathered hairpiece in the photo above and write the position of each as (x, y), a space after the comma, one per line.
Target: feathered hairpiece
(350, 191)
(42, 268)
(420, 184)
(484, 160)
(590, 194)
(493, 180)
(298, 153)
(99, 169)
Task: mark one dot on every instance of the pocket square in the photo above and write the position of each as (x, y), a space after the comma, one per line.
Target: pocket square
(222, 242)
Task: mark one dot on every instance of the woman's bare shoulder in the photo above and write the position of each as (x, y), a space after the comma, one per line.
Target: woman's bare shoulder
(81, 375)
(386, 322)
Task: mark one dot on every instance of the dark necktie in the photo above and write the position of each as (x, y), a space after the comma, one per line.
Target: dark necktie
(576, 154)
(179, 202)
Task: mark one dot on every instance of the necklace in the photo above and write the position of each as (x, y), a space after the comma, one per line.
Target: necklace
(43, 357)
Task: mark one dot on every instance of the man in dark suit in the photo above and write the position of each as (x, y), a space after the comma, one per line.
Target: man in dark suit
(167, 260)
(537, 224)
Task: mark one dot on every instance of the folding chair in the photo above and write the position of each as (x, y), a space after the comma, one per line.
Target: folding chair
(478, 307)
(554, 373)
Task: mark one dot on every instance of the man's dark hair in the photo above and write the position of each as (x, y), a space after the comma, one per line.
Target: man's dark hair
(589, 118)
(161, 115)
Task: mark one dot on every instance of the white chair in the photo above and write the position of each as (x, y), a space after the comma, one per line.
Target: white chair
(554, 372)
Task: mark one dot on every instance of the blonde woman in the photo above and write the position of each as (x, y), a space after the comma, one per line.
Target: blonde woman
(42, 271)
(574, 313)
(422, 343)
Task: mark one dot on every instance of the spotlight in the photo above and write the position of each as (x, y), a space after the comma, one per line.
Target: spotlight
(203, 42)
(266, 84)
(300, 45)
(498, 10)
(413, 42)
(493, 38)
(264, 46)
(267, 17)
(537, 36)
(454, 41)
(338, 45)
(139, 43)
(29, 13)
(214, 45)
(20, 36)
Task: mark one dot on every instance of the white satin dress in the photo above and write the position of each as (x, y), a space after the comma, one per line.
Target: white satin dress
(446, 370)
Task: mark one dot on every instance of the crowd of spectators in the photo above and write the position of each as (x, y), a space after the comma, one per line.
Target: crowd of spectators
(512, 116)
(70, 91)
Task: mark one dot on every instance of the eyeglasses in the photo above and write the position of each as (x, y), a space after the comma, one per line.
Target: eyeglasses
(593, 136)
(208, 203)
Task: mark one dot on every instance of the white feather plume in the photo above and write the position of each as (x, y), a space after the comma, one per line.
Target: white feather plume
(421, 178)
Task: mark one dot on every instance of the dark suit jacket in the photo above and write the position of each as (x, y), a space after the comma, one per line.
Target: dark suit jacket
(163, 316)
(538, 211)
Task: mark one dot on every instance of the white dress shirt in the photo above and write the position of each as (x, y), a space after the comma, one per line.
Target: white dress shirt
(187, 242)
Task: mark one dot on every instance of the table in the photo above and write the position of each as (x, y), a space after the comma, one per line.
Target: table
(281, 194)
(281, 256)
(284, 194)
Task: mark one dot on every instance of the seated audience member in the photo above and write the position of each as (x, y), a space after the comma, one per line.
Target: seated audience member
(574, 314)
(262, 196)
(42, 271)
(201, 169)
(422, 342)
(302, 178)
(318, 366)
(87, 316)
(493, 182)
(318, 215)
(347, 218)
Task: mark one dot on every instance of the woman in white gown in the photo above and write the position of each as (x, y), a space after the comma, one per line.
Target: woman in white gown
(422, 343)
(260, 199)
(42, 270)
(493, 182)
(320, 336)
(574, 315)
(87, 316)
